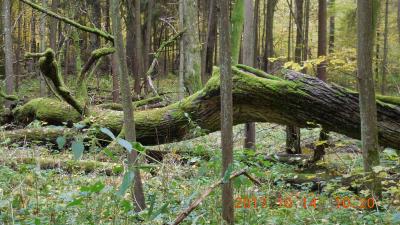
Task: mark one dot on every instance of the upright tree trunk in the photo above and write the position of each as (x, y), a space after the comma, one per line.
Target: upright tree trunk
(322, 35)
(191, 47)
(257, 26)
(131, 44)
(53, 26)
(332, 26)
(289, 41)
(211, 39)
(248, 52)
(33, 41)
(321, 68)
(129, 124)
(96, 19)
(148, 35)
(226, 110)
(306, 31)
(269, 34)
(366, 10)
(398, 18)
(8, 51)
(237, 20)
(43, 88)
(181, 53)
(299, 30)
(18, 67)
(293, 133)
(377, 49)
(385, 50)
(139, 46)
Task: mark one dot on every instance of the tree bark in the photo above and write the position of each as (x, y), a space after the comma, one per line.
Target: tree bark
(131, 43)
(53, 26)
(96, 19)
(332, 26)
(292, 132)
(237, 20)
(322, 35)
(139, 47)
(226, 106)
(299, 30)
(191, 47)
(248, 59)
(42, 44)
(211, 39)
(269, 34)
(129, 123)
(321, 68)
(18, 50)
(148, 34)
(8, 51)
(368, 109)
(398, 18)
(306, 20)
(385, 49)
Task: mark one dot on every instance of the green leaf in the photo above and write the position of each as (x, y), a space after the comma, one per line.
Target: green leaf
(163, 209)
(37, 221)
(126, 183)
(126, 205)
(227, 174)
(76, 202)
(152, 203)
(95, 188)
(77, 149)
(139, 147)
(61, 142)
(109, 153)
(126, 144)
(108, 132)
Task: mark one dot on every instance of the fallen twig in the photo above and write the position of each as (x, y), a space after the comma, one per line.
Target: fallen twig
(207, 192)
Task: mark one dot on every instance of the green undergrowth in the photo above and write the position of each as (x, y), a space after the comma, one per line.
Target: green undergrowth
(29, 195)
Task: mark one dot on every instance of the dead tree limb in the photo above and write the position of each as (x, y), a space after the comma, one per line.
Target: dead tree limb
(207, 192)
(48, 66)
(156, 55)
(94, 56)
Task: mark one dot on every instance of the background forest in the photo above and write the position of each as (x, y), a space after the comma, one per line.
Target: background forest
(74, 72)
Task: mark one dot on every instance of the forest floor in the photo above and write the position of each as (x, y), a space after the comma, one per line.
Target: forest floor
(69, 193)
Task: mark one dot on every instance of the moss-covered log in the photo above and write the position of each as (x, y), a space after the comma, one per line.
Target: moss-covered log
(136, 104)
(48, 110)
(298, 100)
(70, 166)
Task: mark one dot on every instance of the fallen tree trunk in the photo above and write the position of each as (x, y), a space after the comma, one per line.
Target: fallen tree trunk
(70, 166)
(299, 100)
